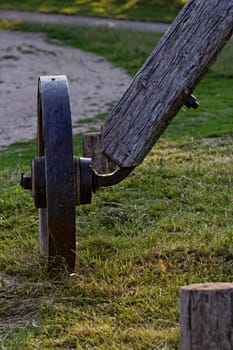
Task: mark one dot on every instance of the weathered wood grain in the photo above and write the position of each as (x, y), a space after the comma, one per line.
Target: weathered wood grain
(166, 79)
(92, 149)
(206, 317)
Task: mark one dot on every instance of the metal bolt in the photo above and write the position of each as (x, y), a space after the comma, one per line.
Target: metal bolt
(26, 181)
(192, 102)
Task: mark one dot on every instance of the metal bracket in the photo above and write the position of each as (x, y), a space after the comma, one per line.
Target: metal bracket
(105, 180)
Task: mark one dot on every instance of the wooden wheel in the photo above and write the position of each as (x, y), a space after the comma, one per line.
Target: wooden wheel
(56, 164)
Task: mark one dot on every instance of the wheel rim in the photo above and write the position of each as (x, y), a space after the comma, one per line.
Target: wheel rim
(57, 220)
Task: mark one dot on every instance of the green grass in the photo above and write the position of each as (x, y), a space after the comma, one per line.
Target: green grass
(119, 46)
(155, 10)
(170, 223)
(123, 48)
(167, 225)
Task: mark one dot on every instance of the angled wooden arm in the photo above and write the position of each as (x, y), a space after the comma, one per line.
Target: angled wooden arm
(166, 80)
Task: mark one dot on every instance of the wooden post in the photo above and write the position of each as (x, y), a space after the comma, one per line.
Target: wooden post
(92, 149)
(167, 78)
(206, 317)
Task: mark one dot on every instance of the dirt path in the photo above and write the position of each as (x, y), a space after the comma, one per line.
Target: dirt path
(94, 83)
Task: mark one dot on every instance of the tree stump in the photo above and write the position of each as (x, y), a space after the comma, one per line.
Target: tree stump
(206, 317)
(92, 149)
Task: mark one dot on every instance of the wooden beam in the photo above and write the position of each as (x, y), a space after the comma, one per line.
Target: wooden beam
(92, 149)
(167, 78)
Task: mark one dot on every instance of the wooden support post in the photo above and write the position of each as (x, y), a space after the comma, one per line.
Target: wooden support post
(207, 316)
(92, 149)
(167, 78)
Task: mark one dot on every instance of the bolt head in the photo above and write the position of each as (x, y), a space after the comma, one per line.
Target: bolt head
(26, 181)
(192, 102)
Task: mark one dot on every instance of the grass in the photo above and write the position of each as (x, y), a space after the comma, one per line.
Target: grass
(123, 48)
(155, 10)
(118, 46)
(170, 223)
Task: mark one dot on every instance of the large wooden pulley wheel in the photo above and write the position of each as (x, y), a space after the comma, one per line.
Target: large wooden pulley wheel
(53, 178)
